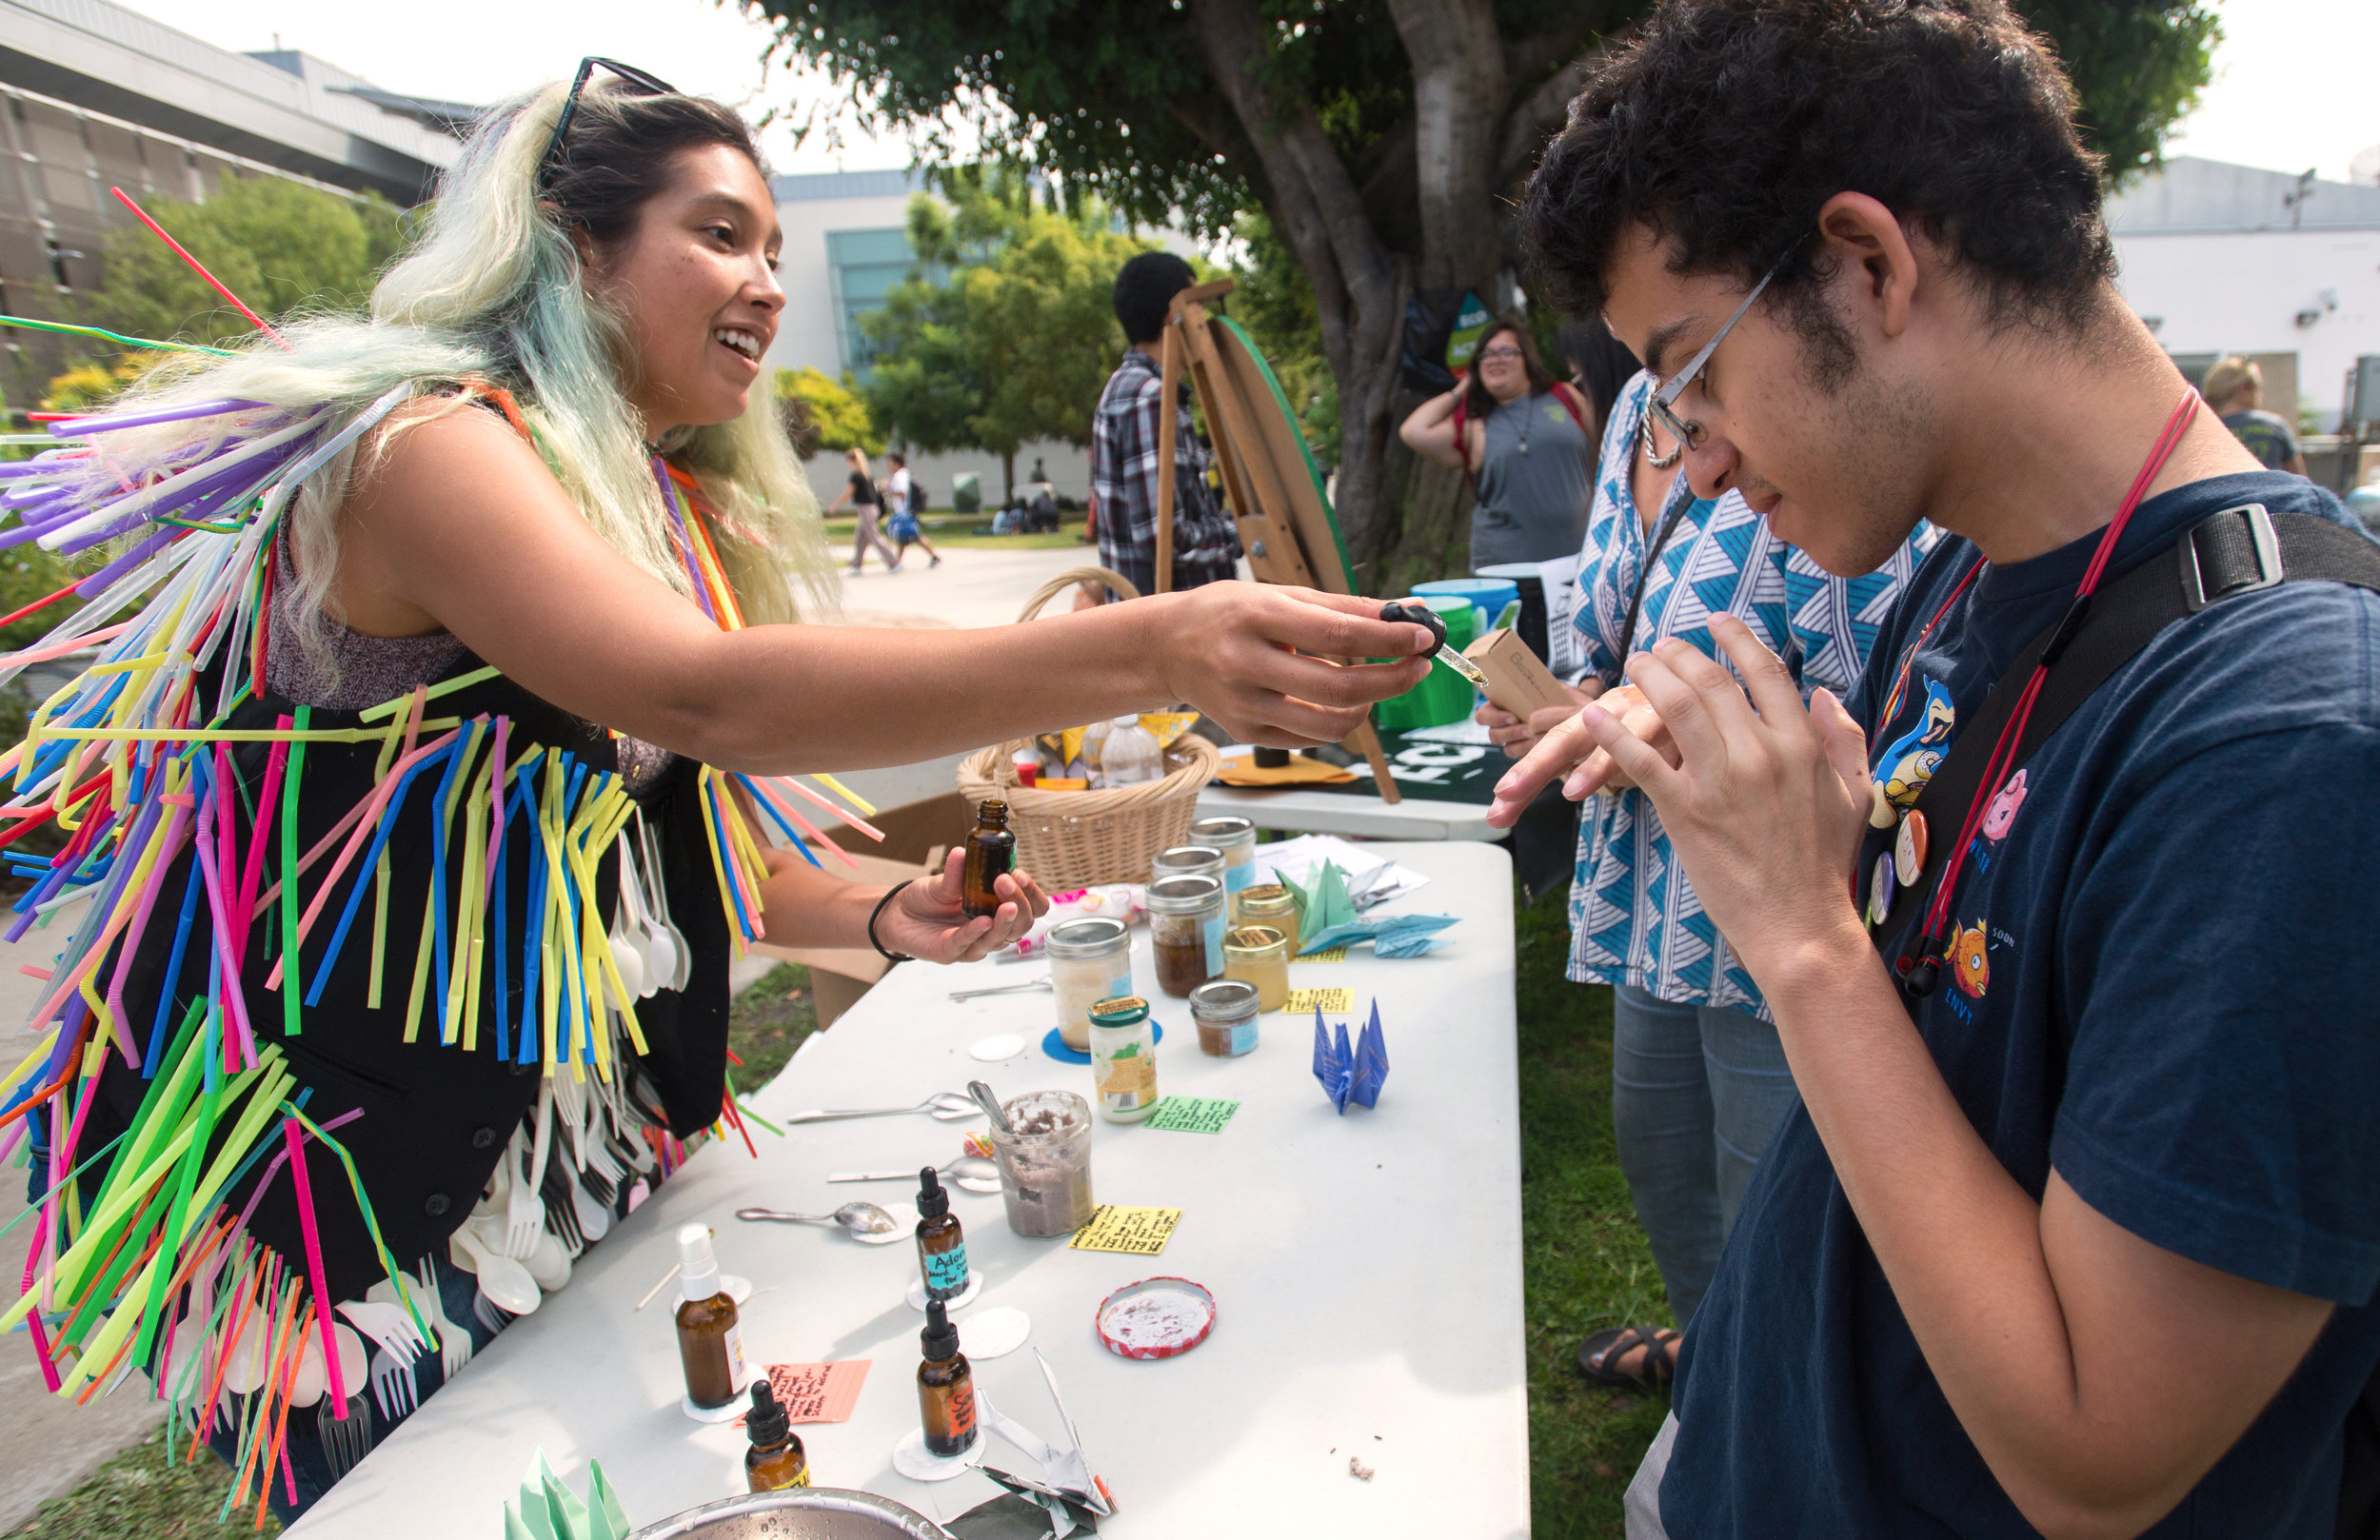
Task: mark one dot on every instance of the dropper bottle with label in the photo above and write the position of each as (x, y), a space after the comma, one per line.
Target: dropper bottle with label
(776, 1459)
(945, 1386)
(710, 1343)
(991, 855)
(941, 1245)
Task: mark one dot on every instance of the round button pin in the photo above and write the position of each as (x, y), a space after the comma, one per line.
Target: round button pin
(1908, 847)
(1880, 890)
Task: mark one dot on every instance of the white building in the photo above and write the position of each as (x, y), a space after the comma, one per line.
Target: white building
(2229, 259)
(846, 244)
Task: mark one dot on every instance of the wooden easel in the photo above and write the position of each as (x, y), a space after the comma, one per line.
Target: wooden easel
(1270, 480)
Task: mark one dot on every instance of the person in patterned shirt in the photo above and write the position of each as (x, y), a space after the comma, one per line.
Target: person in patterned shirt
(1124, 442)
(1699, 1081)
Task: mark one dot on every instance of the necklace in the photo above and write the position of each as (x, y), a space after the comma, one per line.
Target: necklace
(1644, 442)
(1528, 412)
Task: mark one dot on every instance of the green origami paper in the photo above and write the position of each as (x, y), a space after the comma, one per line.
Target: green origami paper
(1322, 901)
(546, 1509)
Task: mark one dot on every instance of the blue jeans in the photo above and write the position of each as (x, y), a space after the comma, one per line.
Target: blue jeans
(1697, 1091)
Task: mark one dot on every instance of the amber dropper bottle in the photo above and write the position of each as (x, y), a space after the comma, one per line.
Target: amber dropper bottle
(708, 1341)
(942, 1246)
(776, 1459)
(945, 1386)
(991, 854)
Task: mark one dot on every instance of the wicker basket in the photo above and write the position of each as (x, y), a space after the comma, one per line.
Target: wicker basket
(1073, 839)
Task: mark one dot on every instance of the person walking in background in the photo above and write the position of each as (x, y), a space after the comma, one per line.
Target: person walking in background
(1700, 1083)
(1124, 440)
(860, 497)
(1523, 438)
(904, 500)
(2235, 388)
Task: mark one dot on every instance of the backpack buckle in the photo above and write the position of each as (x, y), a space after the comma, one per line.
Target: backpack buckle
(2216, 561)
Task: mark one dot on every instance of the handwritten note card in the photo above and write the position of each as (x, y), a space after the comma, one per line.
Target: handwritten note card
(816, 1393)
(1329, 1001)
(1334, 953)
(1193, 1114)
(1140, 1232)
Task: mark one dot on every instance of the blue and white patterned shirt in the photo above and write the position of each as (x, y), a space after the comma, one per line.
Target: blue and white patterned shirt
(1633, 918)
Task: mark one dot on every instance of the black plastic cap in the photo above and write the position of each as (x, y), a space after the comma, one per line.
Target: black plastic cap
(933, 1199)
(1419, 615)
(767, 1423)
(940, 1338)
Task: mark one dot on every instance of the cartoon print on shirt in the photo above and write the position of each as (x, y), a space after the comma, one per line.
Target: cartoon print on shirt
(1911, 759)
(1971, 961)
(2001, 815)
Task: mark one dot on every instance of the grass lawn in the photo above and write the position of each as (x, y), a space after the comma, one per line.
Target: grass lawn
(1584, 1266)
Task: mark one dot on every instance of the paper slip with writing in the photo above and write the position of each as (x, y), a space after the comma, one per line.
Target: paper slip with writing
(1335, 953)
(1192, 1114)
(816, 1393)
(1114, 1228)
(1329, 1001)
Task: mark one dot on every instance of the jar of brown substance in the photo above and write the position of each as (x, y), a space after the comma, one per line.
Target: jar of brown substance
(1186, 925)
(991, 854)
(1225, 1010)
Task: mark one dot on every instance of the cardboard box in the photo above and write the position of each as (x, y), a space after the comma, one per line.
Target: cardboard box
(1517, 680)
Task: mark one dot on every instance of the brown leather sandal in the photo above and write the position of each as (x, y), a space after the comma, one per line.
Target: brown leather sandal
(1661, 1357)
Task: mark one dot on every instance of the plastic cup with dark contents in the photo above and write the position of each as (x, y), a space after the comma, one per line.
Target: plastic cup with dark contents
(1045, 1165)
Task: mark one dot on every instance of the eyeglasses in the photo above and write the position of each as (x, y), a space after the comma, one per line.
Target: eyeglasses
(1507, 354)
(646, 85)
(1690, 434)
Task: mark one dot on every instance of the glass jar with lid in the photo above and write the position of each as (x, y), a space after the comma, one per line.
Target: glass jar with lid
(1090, 961)
(1186, 922)
(1124, 1059)
(1260, 954)
(1188, 861)
(1225, 1010)
(1270, 904)
(1236, 837)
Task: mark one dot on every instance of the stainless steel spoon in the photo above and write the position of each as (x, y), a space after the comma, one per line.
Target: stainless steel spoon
(972, 1172)
(858, 1219)
(948, 1106)
(990, 1103)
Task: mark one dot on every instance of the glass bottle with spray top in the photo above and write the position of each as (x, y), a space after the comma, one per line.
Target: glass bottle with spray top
(709, 1342)
(991, 854)
(942, 1246)
(945, 1388)
(776, 1460)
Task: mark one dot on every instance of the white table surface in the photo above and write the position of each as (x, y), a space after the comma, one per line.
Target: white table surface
(1367, 1272)
(1359, 816)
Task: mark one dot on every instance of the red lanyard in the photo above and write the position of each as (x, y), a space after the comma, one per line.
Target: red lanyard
(1916, 964)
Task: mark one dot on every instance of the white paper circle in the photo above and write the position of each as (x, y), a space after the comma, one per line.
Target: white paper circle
(993, 1333)
(910, 1459)
(735, 1286)
(1007, 1045)
(965, 1298)
(904, 1228)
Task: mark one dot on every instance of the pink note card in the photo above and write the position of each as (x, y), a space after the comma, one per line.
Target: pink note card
(816, 1393)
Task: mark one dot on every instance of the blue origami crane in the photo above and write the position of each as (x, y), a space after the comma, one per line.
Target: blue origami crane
(1392, 935)
(1351, 1075)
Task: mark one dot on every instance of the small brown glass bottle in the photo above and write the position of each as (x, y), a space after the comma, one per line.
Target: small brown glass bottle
(776, 1459)
(942, 1246)
(991, 854)
(710, 1343)
(945, 1386)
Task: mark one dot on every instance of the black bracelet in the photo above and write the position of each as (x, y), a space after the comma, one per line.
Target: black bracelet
(889, 893)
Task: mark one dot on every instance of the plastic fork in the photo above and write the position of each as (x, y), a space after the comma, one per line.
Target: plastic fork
(393, 1386)
(454, 1344)
(524, 1216)
(387, 1325)
(484, 1310)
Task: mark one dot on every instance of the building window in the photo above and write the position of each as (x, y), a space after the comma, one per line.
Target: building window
(861, 266)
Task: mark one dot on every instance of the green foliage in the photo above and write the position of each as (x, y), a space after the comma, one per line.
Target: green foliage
(2137, 66)
(826, 414)
(1005, 333)
(281, 245)
(1274, 301)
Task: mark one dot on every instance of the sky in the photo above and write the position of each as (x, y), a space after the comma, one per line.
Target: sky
(2295, 80)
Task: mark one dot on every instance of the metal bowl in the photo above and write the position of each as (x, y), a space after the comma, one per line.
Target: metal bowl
(807, 1513)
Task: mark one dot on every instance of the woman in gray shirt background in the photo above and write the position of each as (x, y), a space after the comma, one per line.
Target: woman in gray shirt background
(1523, 436)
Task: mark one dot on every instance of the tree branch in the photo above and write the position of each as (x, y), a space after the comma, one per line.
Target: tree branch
(1536, 116)
(1458, 93)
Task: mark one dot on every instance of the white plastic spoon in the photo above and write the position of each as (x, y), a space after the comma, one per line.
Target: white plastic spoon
(503, 1279)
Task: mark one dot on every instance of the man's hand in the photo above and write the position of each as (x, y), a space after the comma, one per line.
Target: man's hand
(1570, 751)
(1516, 738)
(1257, 658)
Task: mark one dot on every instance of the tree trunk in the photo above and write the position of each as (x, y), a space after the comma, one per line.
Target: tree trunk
(1007, 476)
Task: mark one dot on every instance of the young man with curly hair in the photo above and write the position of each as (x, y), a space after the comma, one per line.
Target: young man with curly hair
(2077, 1228)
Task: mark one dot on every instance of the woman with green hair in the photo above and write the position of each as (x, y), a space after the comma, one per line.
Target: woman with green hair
(443, 668)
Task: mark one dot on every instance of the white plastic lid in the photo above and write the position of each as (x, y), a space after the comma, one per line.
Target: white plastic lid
(698, 1277)
(1128, 719)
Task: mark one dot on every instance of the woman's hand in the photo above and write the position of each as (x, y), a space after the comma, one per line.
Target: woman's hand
(928, 922)
(1516, 738)
(1257, 658)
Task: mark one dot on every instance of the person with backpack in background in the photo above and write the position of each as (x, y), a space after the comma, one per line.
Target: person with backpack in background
(905, 499)
(1522, 436)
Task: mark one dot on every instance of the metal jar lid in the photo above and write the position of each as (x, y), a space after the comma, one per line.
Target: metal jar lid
(1266, 898)
(1095, 936)
(1121, 1011)
(1184, 860)
(1224, 999)
(1247, 938)
(1184, 894)
(1224, 832)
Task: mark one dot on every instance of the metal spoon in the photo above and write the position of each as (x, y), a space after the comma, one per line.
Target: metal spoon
(972, 1172)
(1038, 985)
(859, 1218)
(948, 1106)
(983, 1098)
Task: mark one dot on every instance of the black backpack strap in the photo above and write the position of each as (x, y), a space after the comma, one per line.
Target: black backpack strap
(2238, 551)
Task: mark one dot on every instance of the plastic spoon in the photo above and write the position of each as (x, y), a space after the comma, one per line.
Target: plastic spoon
(503, 1279)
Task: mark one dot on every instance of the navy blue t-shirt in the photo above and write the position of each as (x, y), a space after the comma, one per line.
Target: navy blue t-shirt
(2162, 989)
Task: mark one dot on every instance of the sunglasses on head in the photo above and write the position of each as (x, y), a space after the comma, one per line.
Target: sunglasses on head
(643, 85)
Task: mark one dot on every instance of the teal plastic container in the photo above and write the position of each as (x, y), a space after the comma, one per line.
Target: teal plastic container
(1488, 595)
(1444, 695)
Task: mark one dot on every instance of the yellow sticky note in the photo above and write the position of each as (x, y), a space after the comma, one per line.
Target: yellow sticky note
(1328, 1001)
(1336, 953)
(1167, 726)
(1140, 1232)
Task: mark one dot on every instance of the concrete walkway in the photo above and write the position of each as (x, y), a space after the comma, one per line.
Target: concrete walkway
(971, 588)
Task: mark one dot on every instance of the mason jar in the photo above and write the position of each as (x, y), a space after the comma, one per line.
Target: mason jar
(1225, 1010)
(1089, 961)
(1236, 837)
(1186, 922)
(1271, 905)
